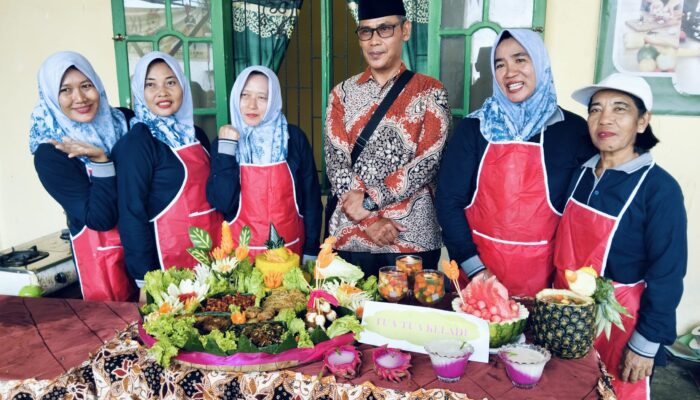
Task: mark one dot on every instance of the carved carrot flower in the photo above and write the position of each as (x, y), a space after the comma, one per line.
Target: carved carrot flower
(325, 257)
(241, 252)
(226, 238)
(219, 254)
(451, 270)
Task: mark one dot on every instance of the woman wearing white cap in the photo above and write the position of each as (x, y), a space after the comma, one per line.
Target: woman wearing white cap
(625, 218)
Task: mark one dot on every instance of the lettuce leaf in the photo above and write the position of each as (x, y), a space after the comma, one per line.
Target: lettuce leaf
(172, 333)
(294, 279)
(286, 315)
(157, 281)
(255, 284)
(243, 270)
(342, 325)
(296, 325)
(305, 341)
(369, 285)
(342, 269)
(163, 351)
(220, 343)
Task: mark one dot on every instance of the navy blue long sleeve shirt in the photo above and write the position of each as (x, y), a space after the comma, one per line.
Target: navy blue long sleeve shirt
(650, 243)
(223, 186)
(87, 201)
(566, 146)
(149, 176)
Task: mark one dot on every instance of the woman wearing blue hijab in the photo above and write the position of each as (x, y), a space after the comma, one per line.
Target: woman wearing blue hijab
(162, 168)
(504, 175)
(263, 170)
(72, 134)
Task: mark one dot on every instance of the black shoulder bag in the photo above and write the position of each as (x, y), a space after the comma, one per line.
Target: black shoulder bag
(366, 134)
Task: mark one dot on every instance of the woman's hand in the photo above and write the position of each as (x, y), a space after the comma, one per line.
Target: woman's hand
(228, 132)
(635, 367)
(75, 148)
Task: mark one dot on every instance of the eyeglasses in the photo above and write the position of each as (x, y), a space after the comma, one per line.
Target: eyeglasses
(384, 31)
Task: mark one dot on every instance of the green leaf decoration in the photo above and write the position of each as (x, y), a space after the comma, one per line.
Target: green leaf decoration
(200, 255)
(244, 238)
(246, 346)
(212, 347)
(200, 238)
(193, 344)
(288, 343)
(318, 335)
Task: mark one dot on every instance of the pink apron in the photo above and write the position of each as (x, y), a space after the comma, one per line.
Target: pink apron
(268, 196)
(188, 208)
(511, 217)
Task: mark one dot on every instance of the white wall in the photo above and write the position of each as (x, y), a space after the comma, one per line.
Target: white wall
(33, 29)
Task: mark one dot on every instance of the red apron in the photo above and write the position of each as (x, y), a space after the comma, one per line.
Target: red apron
(511, 217)
(268, 196)
(188, 208)
(99, 260)
(584, 238)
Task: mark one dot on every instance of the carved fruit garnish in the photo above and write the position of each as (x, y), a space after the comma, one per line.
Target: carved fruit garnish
(391, 364)
(343, 361)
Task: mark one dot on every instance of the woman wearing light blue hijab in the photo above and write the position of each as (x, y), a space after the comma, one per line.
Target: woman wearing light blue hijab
(263, 170)
(162, 168)
(504, 175)
(73, 130)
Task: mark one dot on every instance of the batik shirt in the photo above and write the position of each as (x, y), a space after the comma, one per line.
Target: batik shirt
(397, 167)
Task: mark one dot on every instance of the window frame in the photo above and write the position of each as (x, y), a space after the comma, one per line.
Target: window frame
(436, 33)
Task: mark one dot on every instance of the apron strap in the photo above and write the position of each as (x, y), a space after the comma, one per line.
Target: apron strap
(622, 212)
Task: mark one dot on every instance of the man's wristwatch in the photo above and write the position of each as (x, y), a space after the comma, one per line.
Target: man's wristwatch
(369, 204)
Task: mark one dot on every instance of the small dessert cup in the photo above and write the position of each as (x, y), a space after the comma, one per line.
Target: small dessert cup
(449, 358)
(524, 363)
(410, 265)
(393, 284)
(429, 287)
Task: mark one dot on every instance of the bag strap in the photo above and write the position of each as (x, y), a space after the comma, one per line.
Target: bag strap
(379, 113)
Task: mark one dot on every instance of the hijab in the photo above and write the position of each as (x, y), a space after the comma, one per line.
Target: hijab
(48, 122)
(502, 120)
(176, 130)
(267, 142)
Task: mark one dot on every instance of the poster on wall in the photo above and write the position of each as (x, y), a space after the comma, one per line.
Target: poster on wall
(658, 40)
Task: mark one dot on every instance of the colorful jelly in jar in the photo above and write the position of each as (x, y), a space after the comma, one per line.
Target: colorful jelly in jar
(429, 287)
(409, 264)
(392, 284)
(524, 363)
(449, 358)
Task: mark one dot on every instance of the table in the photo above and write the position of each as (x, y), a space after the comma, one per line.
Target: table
(57, 346)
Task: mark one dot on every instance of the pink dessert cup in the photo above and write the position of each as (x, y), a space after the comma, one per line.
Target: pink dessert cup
(449, 358)
(524, 363)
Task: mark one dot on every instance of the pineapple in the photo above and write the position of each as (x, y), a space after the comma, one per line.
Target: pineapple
(563, 322)
(275, 241)
(276, 260)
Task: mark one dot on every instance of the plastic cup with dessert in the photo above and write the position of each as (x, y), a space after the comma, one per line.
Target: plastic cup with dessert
(524, 363)
(449, 358)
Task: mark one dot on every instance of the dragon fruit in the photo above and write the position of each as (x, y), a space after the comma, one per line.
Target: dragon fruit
(343, 361)
(488, 299)
(391, 364)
